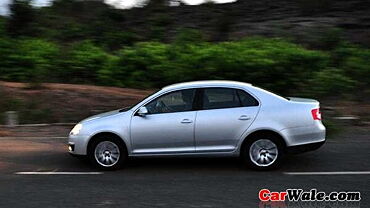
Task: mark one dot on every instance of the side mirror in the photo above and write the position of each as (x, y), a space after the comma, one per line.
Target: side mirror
(142, 111)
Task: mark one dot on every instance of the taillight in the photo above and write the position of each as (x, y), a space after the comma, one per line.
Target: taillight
(316, 114)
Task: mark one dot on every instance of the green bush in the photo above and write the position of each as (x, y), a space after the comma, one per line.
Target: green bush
(7, 60)
(2, 27)
(355, 63)
(28, 60)
(142, 65)
(186, 35)
(271, 63)
(330, 81)
(81, 63)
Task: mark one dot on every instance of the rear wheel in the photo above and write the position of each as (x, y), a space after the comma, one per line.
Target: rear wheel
(107, 153)
(263, 152)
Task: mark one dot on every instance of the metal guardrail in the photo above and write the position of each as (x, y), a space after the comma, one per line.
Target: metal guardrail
(40, 125)
(12, 120)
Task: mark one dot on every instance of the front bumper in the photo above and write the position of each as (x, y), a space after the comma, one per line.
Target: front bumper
(71, 147)
(77, 144)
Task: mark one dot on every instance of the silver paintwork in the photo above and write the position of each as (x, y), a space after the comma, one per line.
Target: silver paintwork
(218, 132)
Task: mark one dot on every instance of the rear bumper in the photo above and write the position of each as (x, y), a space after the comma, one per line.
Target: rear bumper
(304, 147)
(304, 135)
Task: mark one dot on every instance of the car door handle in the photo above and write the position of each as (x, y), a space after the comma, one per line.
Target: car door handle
(244, 117)
(186, 121)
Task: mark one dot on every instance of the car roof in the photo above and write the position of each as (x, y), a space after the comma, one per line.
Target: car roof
(207, 83)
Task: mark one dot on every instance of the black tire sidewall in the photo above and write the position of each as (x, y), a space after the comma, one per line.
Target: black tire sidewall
(123, 152)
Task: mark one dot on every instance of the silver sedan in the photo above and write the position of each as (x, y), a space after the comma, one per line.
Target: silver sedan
(204, 118)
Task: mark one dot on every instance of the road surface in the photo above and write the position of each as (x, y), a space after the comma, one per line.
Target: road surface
(171, 182)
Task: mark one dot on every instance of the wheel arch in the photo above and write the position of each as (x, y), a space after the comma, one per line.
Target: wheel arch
(108, 134)
(263, 132)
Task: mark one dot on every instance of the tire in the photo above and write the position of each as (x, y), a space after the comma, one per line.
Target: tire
(107, 152)
(263, 152)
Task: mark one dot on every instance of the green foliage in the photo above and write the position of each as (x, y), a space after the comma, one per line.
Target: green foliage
(81, 63)
(2, 27)
(37, 57)
(27, 60)
(355, 63)
(71, 31)
(6, 58)
(187, 35)
(330, 81)
(142, 65)
(106, 30)
(158, 24)
(271, 63)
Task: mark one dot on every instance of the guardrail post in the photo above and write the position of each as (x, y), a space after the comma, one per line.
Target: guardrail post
(11, 118)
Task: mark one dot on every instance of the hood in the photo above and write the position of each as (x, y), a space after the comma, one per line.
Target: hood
(102, 115)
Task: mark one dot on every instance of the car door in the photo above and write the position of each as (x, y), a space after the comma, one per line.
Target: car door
(224, 115)
(168, 127)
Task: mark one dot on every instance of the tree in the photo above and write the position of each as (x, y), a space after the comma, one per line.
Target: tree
(21, 16)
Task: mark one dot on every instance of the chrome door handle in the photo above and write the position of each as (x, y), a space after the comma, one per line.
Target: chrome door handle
(244, 117)
(186, 121)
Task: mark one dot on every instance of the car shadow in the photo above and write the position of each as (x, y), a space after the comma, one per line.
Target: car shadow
(62, 161)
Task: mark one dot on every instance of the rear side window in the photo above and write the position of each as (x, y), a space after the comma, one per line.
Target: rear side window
(246, 99)
(217, 98)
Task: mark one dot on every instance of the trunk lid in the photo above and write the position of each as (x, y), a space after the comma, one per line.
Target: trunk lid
(303, 100)
(308, 110)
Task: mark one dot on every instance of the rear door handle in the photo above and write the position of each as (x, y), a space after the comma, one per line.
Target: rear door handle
(244, 117)
(186, 121)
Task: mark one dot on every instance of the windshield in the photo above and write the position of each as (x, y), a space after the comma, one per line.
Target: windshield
(131, 106)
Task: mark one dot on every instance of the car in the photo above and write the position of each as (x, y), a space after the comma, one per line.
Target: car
(203, 118)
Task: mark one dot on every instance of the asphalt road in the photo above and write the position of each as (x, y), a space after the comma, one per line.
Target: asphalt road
(185, 182)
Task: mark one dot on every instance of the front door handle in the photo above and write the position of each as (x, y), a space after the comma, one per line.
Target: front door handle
(186, 121)
(244, 117)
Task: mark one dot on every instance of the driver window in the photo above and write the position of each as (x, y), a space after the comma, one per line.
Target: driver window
(177, 101)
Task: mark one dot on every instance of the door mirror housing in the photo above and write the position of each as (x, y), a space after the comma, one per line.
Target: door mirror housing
(142, 111)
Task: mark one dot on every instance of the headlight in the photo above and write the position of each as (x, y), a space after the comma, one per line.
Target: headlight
(76, 130)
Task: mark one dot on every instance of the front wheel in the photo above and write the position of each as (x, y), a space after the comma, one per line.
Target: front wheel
(263, 153)
(107, 153)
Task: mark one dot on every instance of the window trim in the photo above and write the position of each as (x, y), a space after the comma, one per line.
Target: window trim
(198, 97)
(233, 88)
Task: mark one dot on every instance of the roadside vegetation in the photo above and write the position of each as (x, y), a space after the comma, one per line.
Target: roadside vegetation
(55, 44)
(272, 63)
